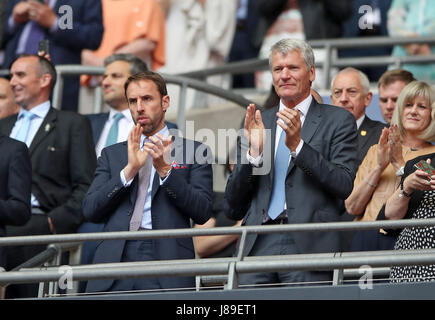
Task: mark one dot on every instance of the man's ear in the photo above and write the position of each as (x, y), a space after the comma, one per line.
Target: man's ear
(45, 80)
(165, 103)
(368, 98)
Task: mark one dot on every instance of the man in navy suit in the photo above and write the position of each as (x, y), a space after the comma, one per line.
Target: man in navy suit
(113, 126)
(15, 185)
(69, 26)
(137, 187)
(311, 154)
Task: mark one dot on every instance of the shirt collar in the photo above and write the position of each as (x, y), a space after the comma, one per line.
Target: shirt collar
(360, 121)
(164, 132)
(125, 112)
(40, 110)
(303, 106)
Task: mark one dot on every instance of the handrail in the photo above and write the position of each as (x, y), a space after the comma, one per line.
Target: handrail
(205, 267)
(225, 266)
(191, 232)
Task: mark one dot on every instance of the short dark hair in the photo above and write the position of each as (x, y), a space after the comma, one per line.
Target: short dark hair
(394, 75)
(137, 65)
(46, 66)
(148, 75)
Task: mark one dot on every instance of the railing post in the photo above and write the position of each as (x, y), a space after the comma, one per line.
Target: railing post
(233, 279)
(57, 92)
(2, 288)
(98, 100)
(75, 257)
(338, 274)
(327, 66)
(181, 114)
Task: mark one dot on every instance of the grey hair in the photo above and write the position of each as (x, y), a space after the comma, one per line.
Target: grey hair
(364, 80)
(137, 65)
(284, 46)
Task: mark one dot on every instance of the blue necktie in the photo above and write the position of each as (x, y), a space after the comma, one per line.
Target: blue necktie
(276, 205)
(112, 137)
(25, 125)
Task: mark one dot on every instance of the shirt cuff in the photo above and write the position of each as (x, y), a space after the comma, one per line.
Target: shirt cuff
(124, 182)
(11, 24)
(55, 26)
(256, 162)
(163, 181)
(294, 154)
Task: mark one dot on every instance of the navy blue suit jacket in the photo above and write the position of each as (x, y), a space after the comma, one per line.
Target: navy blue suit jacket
(186, 194)
(65, 45)
(15, 185)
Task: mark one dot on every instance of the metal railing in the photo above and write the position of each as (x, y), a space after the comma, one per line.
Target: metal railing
(332, 60)
(231, 266)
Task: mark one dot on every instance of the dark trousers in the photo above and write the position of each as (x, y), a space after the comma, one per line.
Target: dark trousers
(137, 250)
(279, 244)
(89, 247)
(16, 255)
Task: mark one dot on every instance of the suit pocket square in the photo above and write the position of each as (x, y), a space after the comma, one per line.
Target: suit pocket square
(177, 166)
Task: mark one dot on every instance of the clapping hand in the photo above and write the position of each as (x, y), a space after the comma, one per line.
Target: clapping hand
(291, 124)
(160, 151)
(136, 156)
(395, 154)
(254, 130)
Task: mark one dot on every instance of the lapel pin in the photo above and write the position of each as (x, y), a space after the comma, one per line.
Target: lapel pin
(47, 127)
(363, 133)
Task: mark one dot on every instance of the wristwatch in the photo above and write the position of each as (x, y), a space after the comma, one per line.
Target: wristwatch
(403, 192)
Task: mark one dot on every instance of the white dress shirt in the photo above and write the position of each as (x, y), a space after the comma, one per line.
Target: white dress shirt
(303, 108)
(146, 219)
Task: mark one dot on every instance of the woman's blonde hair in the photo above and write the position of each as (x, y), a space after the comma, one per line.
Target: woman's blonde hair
(409, 93)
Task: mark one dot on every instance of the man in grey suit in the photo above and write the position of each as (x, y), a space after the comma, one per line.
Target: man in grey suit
(350, 89)
(313, 152)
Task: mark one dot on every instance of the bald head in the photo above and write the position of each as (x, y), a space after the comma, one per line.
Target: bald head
(7, 104)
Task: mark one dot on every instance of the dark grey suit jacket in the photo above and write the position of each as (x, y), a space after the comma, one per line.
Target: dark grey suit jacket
(317, 180)
(186, 194)
(63, 164)
(368, 134)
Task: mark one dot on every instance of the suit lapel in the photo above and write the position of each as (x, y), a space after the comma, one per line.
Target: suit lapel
(364, 133)
(99, 126)
(311, 123)
(6, 128)
(46, 127)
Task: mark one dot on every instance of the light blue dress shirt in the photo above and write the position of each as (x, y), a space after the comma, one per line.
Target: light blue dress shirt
(40, 111)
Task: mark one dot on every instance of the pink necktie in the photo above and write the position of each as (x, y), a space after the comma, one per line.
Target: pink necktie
(144, 182)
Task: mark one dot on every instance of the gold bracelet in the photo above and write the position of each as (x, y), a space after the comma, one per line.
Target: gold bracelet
(371, 185)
